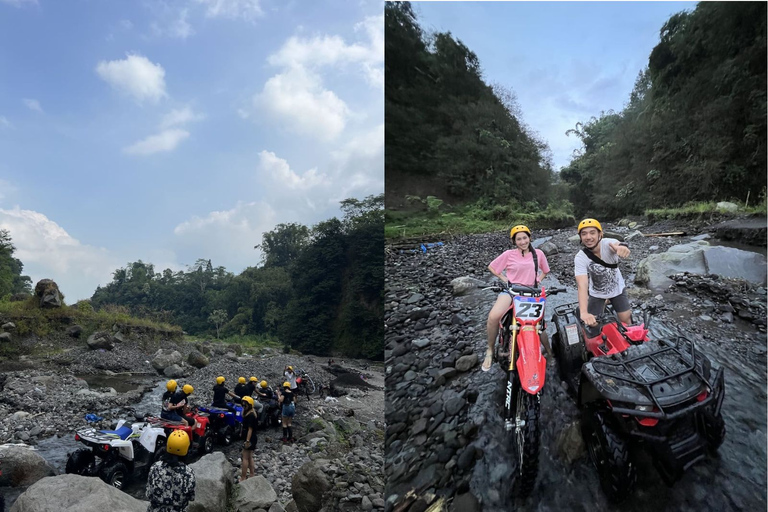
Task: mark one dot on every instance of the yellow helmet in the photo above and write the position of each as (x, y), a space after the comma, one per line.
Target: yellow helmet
(248, 399)
(220, 380)
(241, 380)
(518, 229)
(286, 384)
(178, 443)
(187, 389)
(263, 384)
(589, 223)
(290, 368)
(254, 379)
(171, 385)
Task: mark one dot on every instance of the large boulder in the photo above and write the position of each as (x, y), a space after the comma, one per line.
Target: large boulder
(463, 285)
(730, 262)
(549, 248)
(75, 493)
(726, 206)
(99, 340)
(197, 359)
(22, 466)
(213, 483)
(174, 371)
(48, 292)
(654, 269)
(308, 486)
(255, 493)
(164, 358)
(5, 336)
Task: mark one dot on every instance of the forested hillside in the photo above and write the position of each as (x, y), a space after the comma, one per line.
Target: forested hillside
(11, 278)
(318, 290)
(694, 128)
(448, 133)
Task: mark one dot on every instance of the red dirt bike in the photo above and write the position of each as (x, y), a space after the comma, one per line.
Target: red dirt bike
(518, 350)
(200, 435)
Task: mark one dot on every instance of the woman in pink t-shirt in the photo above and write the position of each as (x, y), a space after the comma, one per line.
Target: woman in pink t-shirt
(519, 268)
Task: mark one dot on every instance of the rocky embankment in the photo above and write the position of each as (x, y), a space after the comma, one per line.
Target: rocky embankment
(445, 440)
(336, 462)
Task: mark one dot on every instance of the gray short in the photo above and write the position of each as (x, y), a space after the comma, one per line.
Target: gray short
(620, 303)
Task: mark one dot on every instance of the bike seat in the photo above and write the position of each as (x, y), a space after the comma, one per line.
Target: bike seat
(123, 432)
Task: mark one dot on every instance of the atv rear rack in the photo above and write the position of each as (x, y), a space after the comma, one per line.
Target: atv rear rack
(93, 435)
(650, 369)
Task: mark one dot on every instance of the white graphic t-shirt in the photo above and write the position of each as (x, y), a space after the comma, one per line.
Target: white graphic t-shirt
(604, 282)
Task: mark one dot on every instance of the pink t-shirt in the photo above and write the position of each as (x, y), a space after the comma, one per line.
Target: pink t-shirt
(519, 268)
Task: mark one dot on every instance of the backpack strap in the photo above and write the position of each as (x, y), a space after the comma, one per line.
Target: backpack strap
(535, 268)
(597, 260)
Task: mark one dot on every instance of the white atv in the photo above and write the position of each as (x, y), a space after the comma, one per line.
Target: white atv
(128, 450)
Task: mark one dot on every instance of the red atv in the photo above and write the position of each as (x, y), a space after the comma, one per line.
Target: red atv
(201, 437)
(659, 395)
(518, 351)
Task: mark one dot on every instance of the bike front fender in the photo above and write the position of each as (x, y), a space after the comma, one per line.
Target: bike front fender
(531, 364)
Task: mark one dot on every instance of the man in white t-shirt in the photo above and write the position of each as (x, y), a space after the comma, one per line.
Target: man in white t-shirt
(597, 274)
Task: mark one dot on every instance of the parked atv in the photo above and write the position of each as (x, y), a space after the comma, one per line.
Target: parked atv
(270, 415)
(659, 395)
(518, 351)
(200, 435)
(117, 455)
(225, 424)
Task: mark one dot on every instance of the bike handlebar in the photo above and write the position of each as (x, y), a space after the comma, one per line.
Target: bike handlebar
(519, 288)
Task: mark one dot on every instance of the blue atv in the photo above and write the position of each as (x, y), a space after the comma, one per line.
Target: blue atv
(226, 424)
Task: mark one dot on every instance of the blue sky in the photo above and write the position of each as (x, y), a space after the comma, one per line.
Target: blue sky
(565, 61)
(171, 130)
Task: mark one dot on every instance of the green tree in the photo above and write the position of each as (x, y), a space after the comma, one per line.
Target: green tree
(219, 317)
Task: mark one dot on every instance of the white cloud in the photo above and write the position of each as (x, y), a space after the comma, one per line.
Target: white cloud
(359, 165)
(180, 117)
(181, 27)
(33, 105)
(298, 98)
(135, 76)
(166, 140)
(227, 237)
(126, 24)
(279, 170)
(5, 123)
(243, 9)
(19, 3)
(48, 251)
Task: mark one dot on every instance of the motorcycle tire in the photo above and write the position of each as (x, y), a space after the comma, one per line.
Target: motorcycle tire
(81, 462)
(526, 444)
(115, 474)
(611, 455)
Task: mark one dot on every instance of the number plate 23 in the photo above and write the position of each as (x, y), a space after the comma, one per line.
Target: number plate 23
(528, 308)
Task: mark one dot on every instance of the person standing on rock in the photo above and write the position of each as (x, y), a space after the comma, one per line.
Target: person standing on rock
(286, 398)
(522, 265)
(598, 277)
(171, 483)
(166, 412)
(250, 422)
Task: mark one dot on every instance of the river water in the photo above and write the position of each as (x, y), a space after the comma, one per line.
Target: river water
(734, 479)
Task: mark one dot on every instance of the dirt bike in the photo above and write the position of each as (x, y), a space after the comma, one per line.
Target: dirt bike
(304, 384)
(635, 393)
(518, 351)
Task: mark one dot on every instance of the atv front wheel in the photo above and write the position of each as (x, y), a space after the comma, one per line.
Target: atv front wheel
(610, 453)
(526, 442)
(207, 443)
(115, 474)
(227, 435)
(81, 462)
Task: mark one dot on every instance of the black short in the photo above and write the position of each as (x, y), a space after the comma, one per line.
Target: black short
(620, 303)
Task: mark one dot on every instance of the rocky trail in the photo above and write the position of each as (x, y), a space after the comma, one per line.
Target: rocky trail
(42, 402)
(445, 436)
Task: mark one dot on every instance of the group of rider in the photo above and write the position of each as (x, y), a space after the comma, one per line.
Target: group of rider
(598, 277)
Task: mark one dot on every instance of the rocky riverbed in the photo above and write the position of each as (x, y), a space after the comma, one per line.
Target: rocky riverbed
(445, 438)
(42, 398)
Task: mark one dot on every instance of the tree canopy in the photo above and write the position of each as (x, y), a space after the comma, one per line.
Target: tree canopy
(11, 278)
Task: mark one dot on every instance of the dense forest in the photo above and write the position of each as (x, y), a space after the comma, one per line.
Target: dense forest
(11, 279)
(693, 128)
(319, 290)
(448, 133)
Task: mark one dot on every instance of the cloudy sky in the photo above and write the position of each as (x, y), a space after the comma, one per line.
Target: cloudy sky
(172, 130)
(566, 61)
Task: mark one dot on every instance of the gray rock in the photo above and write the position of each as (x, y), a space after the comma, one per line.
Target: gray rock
(632, 225)
(9, 326)
(308, 486)
(466, 363)
(549, 248)
(75, 493)
(633, 235)
(75, 331)
(5, 336)
(197, 359)
(213, 483)
(653, 248)
(165, 358)
(730, 262)
(454, 405)
(22, 466)
(414, 298)
(705, 236)
(276, 507)
(465, 503)
(255, 493)
(421, 342)
(465, 284)
(100, 340)
(291, 506)
(366, 504)
(727, 206)
(118, 337)
(654, 269)
(570, 445)
(174, 371)
(48, 293)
